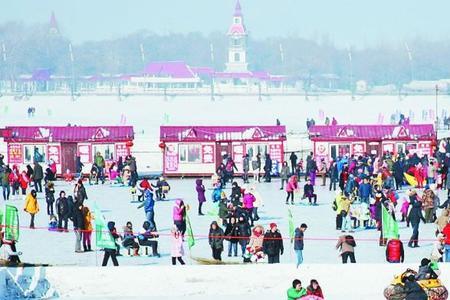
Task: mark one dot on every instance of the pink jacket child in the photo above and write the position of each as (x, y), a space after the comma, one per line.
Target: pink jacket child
(178, 210)
(177, 243)
(248, 200)
(292, 184)
(404, 208)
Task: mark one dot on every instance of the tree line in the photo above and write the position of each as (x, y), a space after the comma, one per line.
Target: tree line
(26, 48)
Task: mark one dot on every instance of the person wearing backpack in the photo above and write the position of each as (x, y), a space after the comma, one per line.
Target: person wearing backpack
(346, 244)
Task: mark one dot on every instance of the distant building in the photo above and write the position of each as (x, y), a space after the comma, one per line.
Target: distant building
(53, 26)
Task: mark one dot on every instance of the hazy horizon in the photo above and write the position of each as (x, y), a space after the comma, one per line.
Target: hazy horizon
(346, 22)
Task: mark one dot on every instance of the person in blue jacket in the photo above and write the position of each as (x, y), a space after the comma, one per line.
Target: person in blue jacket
(149, 204)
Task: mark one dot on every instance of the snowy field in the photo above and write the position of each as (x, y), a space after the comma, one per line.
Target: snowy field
(202, 282)
(147, 113)
(42, 246)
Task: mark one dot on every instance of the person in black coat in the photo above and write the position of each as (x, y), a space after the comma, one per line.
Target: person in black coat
(398, 174)
(267, 168)
(293, 158)
(334, 176)
(273, 244)
(78, 224)
(231, 234)
(244, 232)
(415, 215)
(413, 290)
(236, 194)
(62, 209)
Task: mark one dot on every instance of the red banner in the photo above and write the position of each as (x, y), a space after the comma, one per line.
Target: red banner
(15, 154)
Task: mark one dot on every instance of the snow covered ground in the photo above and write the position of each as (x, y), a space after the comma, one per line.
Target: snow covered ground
(202, 282)
(43, 246)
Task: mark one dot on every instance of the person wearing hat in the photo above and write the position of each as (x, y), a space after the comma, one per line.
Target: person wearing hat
(31, 206)
(273, 244)
(438, 248)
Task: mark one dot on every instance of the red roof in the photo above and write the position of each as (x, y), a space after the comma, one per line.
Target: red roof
(68, 134)
(371, 132)
(221, 133)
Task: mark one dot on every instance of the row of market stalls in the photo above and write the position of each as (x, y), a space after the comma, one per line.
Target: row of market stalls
(199, 150)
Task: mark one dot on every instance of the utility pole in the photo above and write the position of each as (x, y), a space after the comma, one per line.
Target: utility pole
(211, 49)
(436, 109)
(410, 58)
(350, 59)
(72, 86)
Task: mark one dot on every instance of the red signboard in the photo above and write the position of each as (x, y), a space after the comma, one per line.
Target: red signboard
(54, 153)
(171, 158)
(84, 152)
(122, 150)
(275, 152)
(207, 154)
(15, 154)
(358, 148)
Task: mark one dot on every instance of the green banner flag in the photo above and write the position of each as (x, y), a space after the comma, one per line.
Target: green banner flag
(190, 234)
(389, 225)
(103, 238)
(291, 225)
(11, 223)
(1, 220)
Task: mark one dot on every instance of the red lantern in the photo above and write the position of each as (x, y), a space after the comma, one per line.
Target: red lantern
(162, 145)
(129, 144)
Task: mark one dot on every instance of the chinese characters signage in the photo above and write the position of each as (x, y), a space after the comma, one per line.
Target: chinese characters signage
(54, 153)
(207, 154)
(171, 158)
(84, 151)
(15, 154)
(122, 150)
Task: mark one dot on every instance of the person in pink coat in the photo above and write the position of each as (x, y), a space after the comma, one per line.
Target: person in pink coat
(291, 187)
(404, 210)
(177, 250)
(248, 200)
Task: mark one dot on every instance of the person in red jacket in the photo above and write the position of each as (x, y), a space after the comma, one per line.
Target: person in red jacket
(394, 251)
(446, 232)
(314, 289)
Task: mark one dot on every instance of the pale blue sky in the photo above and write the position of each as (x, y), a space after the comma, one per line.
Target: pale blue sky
(355, 22)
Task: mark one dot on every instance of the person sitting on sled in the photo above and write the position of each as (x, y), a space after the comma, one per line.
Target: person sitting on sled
(9, 246)
(427, 270)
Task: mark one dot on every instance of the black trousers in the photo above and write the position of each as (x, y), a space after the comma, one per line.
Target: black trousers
(200, 204)
(153, 244)
(174, 260)
(32, 221)
(217, 253)
(347, 255)
(415, 235)
(110, 253)
(273, 259)
(338, 222)
(62, 218)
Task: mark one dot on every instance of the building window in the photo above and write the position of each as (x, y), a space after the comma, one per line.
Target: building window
(106, 150)
(189, 153)
(237, 20)
(34, 153)
(236, 42)
(237, 57)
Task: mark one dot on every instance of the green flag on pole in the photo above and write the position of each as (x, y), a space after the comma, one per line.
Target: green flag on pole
(389, 225)
(1, 220)
(190, 234)
(103, 238)
(11, 223)
(291, 225)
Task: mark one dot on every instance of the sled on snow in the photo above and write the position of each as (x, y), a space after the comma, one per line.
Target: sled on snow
(434, 288)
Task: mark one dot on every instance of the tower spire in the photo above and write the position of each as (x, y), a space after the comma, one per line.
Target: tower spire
(53, 28)
(238, 9)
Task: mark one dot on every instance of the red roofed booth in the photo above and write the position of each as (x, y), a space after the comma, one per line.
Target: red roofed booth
(331, 141)
(63, 144)
(199, 150)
